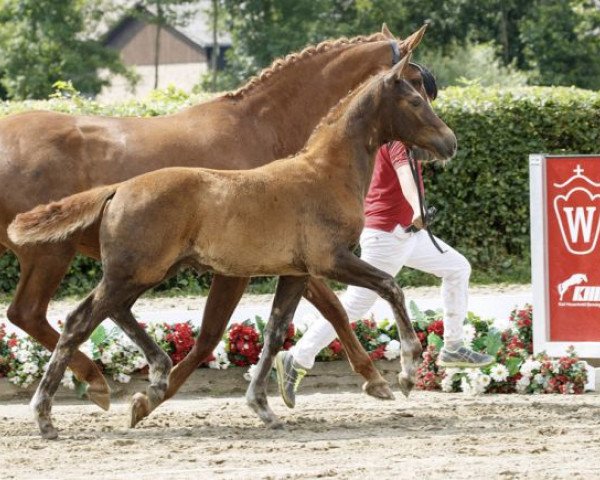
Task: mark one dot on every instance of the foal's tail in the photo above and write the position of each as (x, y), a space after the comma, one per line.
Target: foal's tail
(58, 220)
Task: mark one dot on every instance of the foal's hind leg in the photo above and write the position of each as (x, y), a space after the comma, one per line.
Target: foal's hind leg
(159, 362)
(328, 304)
(42, 269)
(352, 270)
(288, 294)
(78, 327)
(223, 297)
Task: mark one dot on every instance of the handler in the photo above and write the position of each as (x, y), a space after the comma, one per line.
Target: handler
(392, 238)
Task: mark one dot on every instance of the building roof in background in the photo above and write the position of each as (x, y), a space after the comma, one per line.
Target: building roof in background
(193, 21)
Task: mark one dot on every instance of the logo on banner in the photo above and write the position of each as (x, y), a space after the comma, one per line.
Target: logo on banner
(582, 295)
(578, 213)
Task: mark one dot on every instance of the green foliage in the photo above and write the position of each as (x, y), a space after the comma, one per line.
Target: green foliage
(42, 41)
(562, 40)
(471, 64)
(482, 194)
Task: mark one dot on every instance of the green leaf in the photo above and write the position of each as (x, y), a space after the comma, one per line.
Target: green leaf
(98, 335)
(513, 364)
(80, 388)
(435, 340)
(493, 342)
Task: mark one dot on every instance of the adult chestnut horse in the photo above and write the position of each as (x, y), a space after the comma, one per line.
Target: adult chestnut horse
(292, 218)
(45, 156)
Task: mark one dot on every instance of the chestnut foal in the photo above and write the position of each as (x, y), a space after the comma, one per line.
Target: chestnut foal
(292, 218)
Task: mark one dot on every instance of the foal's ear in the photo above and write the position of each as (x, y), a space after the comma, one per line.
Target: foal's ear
(396, 72)
(386, 32)
(412, 41)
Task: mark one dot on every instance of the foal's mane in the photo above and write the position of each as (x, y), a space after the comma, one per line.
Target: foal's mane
(294, 58)
(340, 108)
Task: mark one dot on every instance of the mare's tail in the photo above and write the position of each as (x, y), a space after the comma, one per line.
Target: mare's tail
(58, 220)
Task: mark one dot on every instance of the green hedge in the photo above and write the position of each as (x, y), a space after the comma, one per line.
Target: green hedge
(482, 195)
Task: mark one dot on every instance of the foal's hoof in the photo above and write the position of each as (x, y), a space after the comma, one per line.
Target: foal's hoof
(49, 433)
(275, 424)
(406, 385)
(100, 398)
(379, 390)
(139, 408)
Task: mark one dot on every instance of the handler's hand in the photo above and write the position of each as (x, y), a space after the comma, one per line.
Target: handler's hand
(417, 222)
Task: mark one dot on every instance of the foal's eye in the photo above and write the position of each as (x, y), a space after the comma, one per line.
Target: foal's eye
(415, 102)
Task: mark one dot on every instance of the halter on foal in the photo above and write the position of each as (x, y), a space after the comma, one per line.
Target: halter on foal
(293, 218)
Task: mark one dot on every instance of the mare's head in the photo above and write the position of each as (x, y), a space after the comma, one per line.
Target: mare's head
(405, 114)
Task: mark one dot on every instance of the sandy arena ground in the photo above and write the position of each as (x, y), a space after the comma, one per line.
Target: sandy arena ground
(328, 435)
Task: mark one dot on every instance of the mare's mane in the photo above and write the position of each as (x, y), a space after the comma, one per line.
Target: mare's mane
(293, 58)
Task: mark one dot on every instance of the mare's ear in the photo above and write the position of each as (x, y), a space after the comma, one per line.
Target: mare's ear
(412, 41)
(397, 70)
(386, 32)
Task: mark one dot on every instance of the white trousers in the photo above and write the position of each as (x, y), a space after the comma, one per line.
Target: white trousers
(390, 252)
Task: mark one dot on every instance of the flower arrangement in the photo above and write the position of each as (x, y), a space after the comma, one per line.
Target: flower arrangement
(516, 371)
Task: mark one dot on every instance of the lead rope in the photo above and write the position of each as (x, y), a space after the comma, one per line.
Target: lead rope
(423, 211)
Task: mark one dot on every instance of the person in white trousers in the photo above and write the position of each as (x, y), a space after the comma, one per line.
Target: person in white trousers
(388, 242)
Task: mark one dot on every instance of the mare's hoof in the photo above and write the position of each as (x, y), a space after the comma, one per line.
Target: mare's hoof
(99, 397)
(379, 390)
(139, 408)
(406, 385)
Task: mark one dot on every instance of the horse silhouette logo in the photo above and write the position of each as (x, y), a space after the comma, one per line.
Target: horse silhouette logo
(575, 279)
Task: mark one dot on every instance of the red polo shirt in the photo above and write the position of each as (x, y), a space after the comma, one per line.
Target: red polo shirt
(385, 204)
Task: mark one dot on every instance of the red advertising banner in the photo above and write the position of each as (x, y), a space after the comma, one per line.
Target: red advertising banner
(572, 217)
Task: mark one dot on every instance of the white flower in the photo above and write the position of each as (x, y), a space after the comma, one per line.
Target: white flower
(23, 356)
(465, 386)
(483, 381)
(106, 357)
(249, 375)
(30, 367)
(468, 333)
(499, 373)
(447, 383)
(159, 334)
(528, 366)
(539, 379)
(221, 361)
(392, 350)
(67, 380)
(383, 338)
(522, 384)
(122, 378)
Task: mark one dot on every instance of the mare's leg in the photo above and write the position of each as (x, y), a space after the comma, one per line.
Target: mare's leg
(328, 304)
(42, 269)
(223, 297)
(78, 327)
(288, 294)
(352, 270)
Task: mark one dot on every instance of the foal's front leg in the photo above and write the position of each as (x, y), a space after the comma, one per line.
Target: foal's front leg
(350, 269)
(288, 294)
(328, 304)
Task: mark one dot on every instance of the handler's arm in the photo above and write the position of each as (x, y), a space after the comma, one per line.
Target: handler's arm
(409, 189)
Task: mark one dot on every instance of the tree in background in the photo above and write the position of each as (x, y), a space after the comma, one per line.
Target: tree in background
(41, 42)
(561, 41)
(552, 42)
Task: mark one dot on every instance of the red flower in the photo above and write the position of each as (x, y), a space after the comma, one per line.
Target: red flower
(335, 346)
(436, 327)
(377, 354)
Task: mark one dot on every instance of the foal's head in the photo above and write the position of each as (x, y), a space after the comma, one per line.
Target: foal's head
(405, 114)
